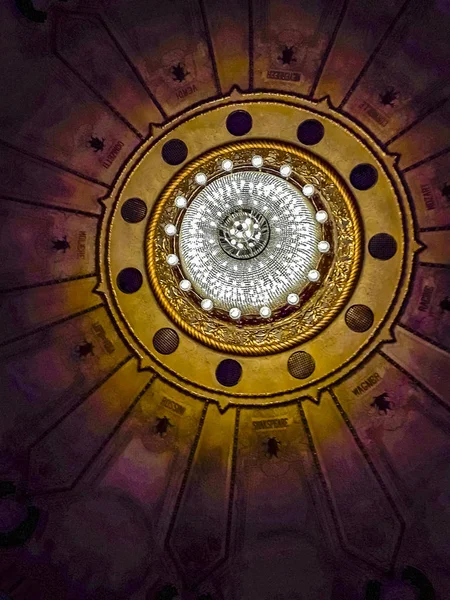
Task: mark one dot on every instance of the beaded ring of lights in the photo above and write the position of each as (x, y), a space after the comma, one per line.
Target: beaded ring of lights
(241, 247)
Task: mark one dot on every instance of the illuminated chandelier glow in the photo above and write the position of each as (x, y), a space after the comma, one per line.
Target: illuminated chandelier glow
(248, 240)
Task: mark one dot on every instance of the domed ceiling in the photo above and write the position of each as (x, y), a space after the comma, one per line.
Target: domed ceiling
(225, 300)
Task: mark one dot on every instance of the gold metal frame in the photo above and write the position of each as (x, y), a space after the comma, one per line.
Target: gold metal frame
(311, 317)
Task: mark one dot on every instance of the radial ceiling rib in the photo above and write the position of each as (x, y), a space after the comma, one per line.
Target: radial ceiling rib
(55, 164)
(66, 209)
(30, 286)
(99, 96)
(210, 47)
(371, 58)
(186, 476)
(424, 337)
(328, 49)
(423, 360)
(375, 473)
(435, 265)
(320, 473)
(426, 160)
(230, 502)
(416, 381)
(80, 401)
(233, 479)
(416, 121)
(135, 69)
(16, 585)
(251, 47)
(123, 418)
(437, 228)
(114, 431)
(53, 324)
(352, 477)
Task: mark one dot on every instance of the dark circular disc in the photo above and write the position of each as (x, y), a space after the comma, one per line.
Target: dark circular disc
(359, 318)
(363, 176)
(166, 340)
(301, 365)
(382, 246)
(129, 280)
(228, 372)
(310, 132)
(133, 210)
(239, 122)
(174, 152)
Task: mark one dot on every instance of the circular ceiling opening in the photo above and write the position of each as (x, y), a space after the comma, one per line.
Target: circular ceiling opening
(166, 340)
(363, 177)
(229, 372)
(382, 246)
(174, 152)
(310, 132)
(129, 280)
(239, 122)
(134, 210)
(359, 318)
(301, 365)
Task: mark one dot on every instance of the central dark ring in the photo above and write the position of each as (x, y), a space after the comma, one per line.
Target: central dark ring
(243, 233)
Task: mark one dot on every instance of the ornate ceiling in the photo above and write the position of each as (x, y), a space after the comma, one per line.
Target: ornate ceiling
(224, 300)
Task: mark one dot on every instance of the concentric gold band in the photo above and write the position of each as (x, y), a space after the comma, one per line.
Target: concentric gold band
(310, 318)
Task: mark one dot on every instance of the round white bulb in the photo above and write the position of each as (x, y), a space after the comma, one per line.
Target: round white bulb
(201, 179)
(172, 260)
(265, 312)
(293, 299)
(207, 304)
(227, 164)
(285, 170)
(308, 190)
(314, 275)
(170, 229)
(235, 313)
(257, 161)
(185, 285)
(180, 202)
(323, 246)
(321, 216)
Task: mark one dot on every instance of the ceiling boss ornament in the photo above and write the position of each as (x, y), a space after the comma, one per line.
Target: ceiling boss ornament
(254, 247)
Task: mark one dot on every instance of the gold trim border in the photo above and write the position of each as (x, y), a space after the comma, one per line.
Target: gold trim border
(167, 195)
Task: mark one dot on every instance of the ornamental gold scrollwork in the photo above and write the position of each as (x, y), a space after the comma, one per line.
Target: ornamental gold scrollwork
(340, 272)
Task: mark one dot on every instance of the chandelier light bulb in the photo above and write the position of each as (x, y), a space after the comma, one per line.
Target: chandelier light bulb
(285, 170)
(225, 252)
(227, 165)
(172, 260)
(308, 190)
(235, 313)
(323, 246)
(314, 275)
(185, 285)
(257, 161)
(207, 304)
(265, 312)
(180, 202)
(201, 179)
(293, 299)
(321, 216)
(170, 229)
